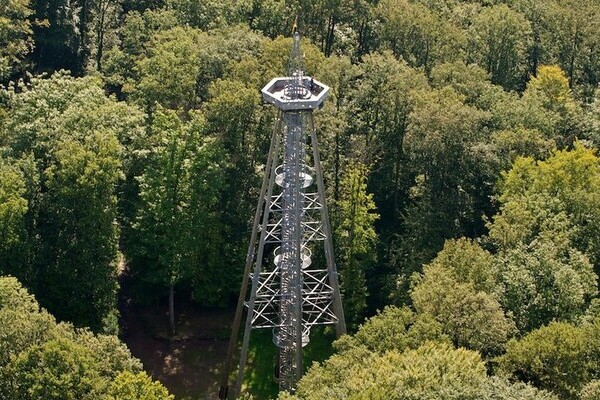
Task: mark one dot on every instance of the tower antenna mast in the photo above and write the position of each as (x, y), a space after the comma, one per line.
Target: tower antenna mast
(288, 293)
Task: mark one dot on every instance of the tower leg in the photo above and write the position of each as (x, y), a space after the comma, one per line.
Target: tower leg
(261, 207)
(340, 327)
(259, 256)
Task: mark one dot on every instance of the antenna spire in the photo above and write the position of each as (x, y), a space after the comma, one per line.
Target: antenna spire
(295, 88)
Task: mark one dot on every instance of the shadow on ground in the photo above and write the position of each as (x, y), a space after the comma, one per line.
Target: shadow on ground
(189, 363)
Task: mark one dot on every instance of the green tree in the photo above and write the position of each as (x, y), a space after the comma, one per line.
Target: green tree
(22, 324)
(13, 207)
(431, 371)
(177, 220)
(241, 127)
(130, 386)
(451, 177)
(96, 22)
(560, 357)
(142, 5)
(457, 289)
(543, 274)
(550, 88)
(210, 14)
(42, 359)
(470, 80)
(15, 35)
(57, 369)
(500, 389)
(333, 123)
(499, 40)
(66, 132)
(271, 17)
(378, 117)
(399, 354)
(510, 112)
(56, 39)
(80, 217)
(320, 21)
(110, 355)
(417, 34)
(361, 26)
(521, 142)
(592, 119)
(545, 280)
(591, 391)
(541, 45)
(570, 179)
(519, 126)
(572, 29)
(179, 64)
(355, 239)
(168, 75)
(104, 27)
(74, 34)
(118, 61)
(396, 329)
(376, 102)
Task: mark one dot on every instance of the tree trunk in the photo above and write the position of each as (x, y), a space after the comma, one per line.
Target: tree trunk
(100, 45)
(83, 44)
(171, 309)
(330, 35)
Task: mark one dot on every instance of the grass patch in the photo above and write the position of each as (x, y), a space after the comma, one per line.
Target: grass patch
(259, 378)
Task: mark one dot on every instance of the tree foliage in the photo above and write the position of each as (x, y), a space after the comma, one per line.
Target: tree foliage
(458, 289)
(469, 127)
(178, 220)
(15, 35)
(42, 359)
(500, 38)
(355, 239)
(134, 386)
(396, 329)
(13, 207)
(432, 371)
(64, 133)
(559, 357)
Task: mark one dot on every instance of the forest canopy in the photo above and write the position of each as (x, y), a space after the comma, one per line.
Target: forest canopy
(460, 154)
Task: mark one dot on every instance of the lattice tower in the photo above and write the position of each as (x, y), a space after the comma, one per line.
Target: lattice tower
(287, 292)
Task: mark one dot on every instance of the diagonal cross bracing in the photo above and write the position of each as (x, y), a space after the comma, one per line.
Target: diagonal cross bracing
(289, 292)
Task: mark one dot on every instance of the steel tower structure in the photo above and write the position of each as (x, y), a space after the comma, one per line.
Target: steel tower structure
(288, 293)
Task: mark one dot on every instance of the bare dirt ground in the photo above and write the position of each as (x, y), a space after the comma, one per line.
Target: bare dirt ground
(188, 364)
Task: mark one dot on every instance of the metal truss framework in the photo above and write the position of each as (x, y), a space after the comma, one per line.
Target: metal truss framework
(287, 292)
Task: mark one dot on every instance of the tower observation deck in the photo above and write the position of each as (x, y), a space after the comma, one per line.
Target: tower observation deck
(289, 291)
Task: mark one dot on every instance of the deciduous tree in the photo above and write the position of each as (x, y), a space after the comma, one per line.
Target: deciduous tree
(15, 35)
(355, 240)
(42, 359)
(134, 386)
(66, 132)
(13, 207)
(559, 357)
(177, 219)
(458, 289)
(499, 39)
